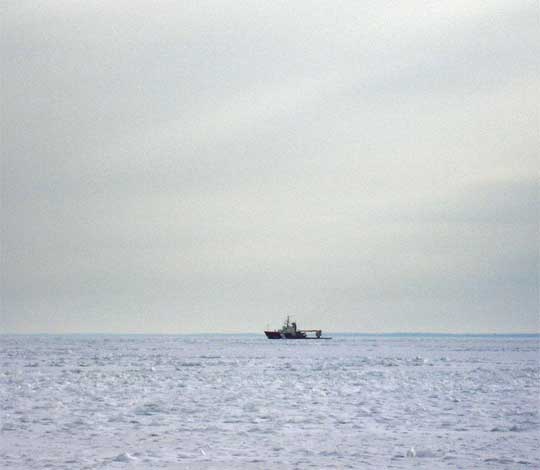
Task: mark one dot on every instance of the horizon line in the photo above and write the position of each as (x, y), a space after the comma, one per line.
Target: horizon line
(343, 333)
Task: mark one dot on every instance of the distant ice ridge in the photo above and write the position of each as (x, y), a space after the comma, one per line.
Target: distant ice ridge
(111, 402)
(124, 457)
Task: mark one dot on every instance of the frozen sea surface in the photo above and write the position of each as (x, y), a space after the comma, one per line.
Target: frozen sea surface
(224, 402)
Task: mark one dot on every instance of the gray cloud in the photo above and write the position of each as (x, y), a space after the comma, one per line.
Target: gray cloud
(210, 167)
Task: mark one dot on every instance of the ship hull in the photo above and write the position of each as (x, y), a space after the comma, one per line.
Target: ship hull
(279, 335)
(273, 334)
(295, 336)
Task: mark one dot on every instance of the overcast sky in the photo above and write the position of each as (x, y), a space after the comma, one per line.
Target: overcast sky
(205, 166)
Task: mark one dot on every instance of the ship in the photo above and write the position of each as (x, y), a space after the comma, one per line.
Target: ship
(289, 330)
